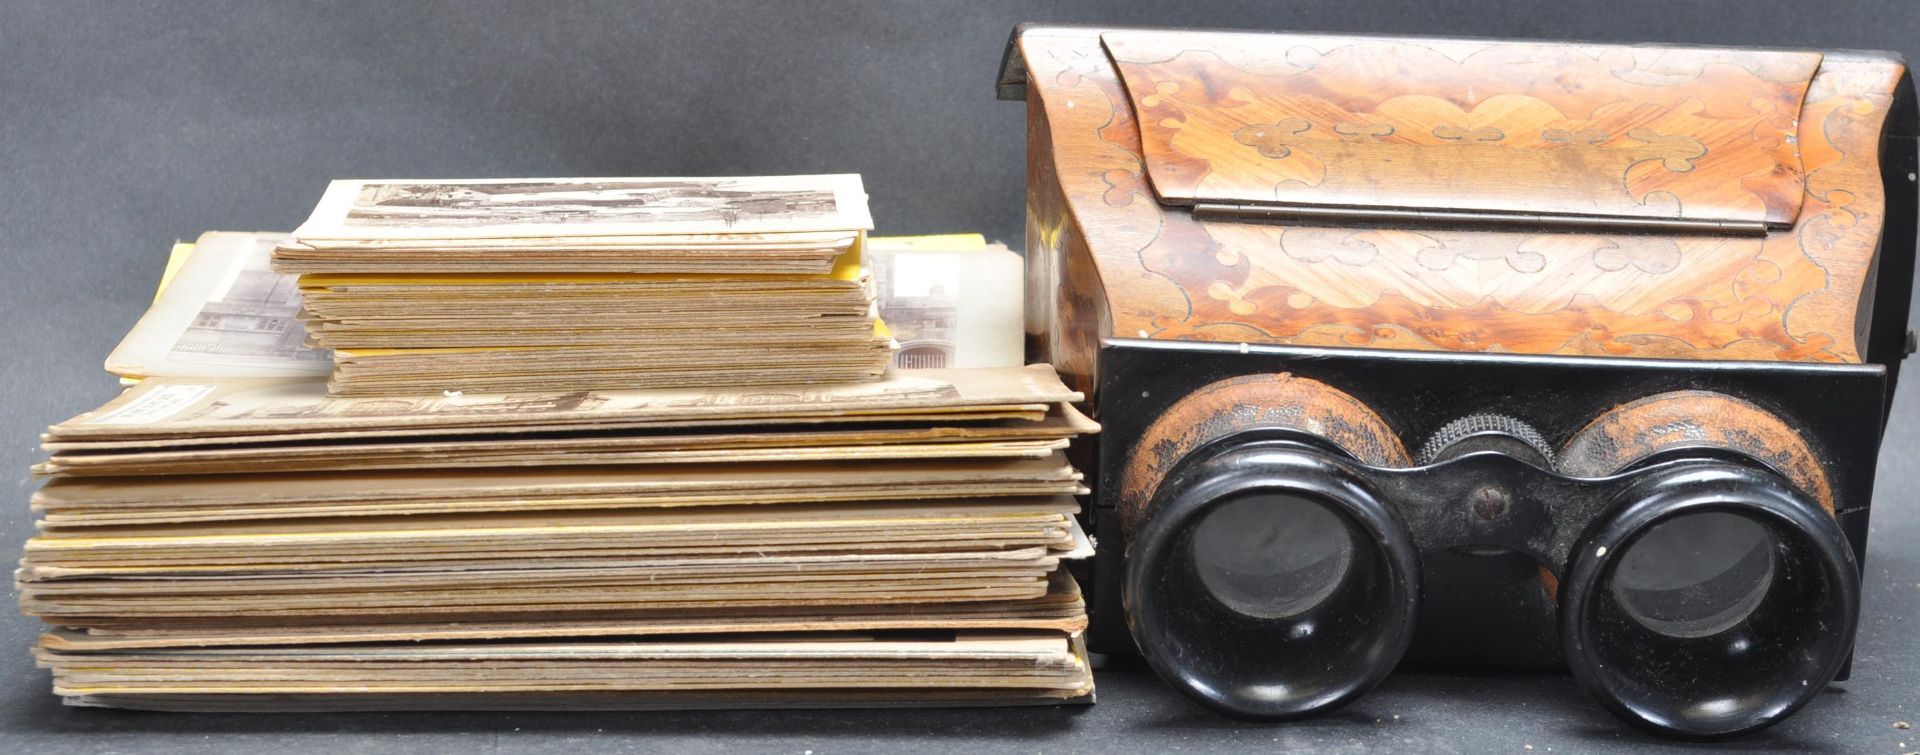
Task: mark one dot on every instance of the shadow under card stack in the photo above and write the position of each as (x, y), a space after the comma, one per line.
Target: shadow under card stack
(497, 526)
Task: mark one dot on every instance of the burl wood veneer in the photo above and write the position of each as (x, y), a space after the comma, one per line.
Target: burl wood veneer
(1532, 198)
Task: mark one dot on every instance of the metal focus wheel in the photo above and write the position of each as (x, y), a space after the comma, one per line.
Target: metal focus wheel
(1486, 432)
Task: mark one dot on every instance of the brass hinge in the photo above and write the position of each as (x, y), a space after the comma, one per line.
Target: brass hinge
(1379, 216)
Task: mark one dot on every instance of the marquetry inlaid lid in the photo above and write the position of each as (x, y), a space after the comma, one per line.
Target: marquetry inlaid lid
(1617, 135)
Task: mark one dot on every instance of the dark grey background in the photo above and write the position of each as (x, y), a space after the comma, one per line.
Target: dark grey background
(126, 125)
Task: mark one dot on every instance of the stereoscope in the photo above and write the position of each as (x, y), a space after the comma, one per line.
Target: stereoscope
(1483, 353)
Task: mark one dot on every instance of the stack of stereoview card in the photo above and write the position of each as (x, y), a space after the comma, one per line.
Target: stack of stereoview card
(522, 284)
(256, 544)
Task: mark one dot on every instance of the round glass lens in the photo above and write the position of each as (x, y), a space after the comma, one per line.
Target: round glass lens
(1696, 575)
(1272, 556)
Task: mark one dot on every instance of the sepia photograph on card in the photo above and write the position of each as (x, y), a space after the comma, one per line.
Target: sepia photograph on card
(508, 208)
(223, 313)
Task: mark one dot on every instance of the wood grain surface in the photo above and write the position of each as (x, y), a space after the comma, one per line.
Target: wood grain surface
(1496, 126)
(1784, 146)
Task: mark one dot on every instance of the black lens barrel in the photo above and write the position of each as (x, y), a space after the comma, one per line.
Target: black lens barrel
(1274, 579)
(1765, 642)
(1322, 641)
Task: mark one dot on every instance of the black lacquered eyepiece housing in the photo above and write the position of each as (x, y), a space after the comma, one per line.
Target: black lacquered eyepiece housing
(1715, 600)
(1684, 538)
(1703, 596)
(1267, 583)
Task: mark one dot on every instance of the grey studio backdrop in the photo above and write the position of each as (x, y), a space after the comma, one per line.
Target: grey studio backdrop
(124, 126)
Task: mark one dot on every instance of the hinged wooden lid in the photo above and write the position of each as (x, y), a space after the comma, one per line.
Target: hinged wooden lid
(1555, 134)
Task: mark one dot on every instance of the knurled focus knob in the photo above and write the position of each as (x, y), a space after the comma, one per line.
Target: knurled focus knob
(1487, 432)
